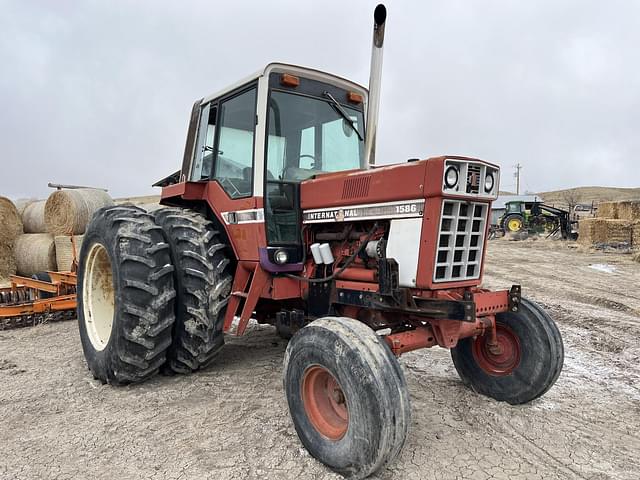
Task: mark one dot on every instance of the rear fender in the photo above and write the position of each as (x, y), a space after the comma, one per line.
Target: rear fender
(241, 220)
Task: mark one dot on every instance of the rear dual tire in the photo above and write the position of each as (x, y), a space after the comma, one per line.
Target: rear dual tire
(152, 293)
(125, 296)
(202, 280)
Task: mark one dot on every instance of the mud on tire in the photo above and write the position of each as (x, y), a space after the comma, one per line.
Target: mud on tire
(368, 427)
(203, 282)
(524, 377)
(125, 296)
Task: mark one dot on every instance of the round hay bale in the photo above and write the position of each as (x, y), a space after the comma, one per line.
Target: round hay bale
(64, 251)
(68, 212)
(23, 203)
(10, 221)
(7, 261)
(33, 217)
(35, 252)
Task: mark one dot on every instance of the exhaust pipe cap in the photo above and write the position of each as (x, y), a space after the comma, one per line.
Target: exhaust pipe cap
(379, 17)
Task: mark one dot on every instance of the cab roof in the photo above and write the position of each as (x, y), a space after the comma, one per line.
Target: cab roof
(277, 67)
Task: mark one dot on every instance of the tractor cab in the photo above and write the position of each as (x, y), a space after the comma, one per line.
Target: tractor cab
(514, 207)
(284, 124)
(259, 139)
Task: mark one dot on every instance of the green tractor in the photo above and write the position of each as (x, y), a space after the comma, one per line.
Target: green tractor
(536, 217)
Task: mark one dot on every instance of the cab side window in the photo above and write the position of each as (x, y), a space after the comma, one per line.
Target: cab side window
(203, 154)
(234, 155)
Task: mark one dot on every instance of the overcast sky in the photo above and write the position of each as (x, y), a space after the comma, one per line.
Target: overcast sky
(99, 93)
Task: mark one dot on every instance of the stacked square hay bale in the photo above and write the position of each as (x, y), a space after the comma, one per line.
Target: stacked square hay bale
(67, 250)
(630, 211)
(604, 230)
(635, 235)
(607, 210)
(616, 223)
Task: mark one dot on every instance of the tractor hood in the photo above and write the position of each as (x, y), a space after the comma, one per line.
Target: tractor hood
(408, 181)
(383, 184)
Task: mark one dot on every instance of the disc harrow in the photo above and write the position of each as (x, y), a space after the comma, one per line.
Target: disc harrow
(29, 302)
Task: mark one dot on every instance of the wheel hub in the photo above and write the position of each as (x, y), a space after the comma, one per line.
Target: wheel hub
(515, 225)
(98, 296)
(325, 403)
(501, 357)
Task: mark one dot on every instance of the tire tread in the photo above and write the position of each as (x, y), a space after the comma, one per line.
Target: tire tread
(142, 325)
(197, 333)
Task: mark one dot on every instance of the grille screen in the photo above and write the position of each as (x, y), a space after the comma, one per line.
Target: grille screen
(460, 241)
(473, 178)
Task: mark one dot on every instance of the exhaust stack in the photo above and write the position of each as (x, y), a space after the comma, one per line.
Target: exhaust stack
(375, 78)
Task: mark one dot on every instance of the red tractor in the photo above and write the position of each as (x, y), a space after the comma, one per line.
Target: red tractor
(278, 214)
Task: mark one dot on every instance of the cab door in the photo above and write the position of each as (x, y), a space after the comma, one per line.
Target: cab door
(233, 153)
(223, 160)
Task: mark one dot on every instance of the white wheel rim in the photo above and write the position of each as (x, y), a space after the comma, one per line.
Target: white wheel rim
(98, 303)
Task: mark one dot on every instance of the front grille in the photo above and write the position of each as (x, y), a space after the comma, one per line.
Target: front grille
(460, 241)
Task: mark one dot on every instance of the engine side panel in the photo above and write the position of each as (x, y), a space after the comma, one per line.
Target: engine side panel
(403, 245)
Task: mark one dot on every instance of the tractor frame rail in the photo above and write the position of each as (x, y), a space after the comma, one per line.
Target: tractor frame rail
(466, 307)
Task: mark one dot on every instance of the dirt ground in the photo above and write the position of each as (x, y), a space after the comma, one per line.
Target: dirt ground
(231, 421)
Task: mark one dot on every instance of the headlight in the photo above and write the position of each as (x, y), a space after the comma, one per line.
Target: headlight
(451, 177)
(281, 257)
(488, 182)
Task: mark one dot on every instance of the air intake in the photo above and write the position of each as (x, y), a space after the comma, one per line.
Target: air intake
(356, 187)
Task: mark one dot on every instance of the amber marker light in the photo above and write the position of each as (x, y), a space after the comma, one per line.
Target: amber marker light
(354, 97)
(289, 80)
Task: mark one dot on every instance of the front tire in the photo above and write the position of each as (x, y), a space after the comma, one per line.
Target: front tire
(347, 395)
(125, 296)
(528, 363)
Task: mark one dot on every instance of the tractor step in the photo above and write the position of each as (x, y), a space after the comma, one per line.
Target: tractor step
(248, 284)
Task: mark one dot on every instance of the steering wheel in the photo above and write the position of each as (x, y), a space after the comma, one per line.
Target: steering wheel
(226, 181)
(288, 167)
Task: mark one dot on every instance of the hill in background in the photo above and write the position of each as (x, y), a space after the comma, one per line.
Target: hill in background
(590, 194)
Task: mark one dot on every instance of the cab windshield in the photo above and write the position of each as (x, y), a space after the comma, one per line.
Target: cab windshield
(308, 136)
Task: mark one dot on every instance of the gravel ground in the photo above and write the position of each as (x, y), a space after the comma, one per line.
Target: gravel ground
(231, 420)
